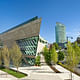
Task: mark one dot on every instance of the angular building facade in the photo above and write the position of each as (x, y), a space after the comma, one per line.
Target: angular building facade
(60, 34)
(26, 35)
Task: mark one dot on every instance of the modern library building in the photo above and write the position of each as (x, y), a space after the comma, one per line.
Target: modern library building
(26, 35)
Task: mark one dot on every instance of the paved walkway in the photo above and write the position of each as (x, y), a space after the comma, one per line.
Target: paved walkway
(34, 73)
(46, 73)
(66, 74)
(39, 73)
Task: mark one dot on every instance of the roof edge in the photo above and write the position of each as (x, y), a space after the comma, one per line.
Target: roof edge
(28, 21)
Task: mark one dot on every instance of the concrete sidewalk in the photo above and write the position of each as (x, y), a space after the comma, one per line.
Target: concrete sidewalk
(46, 73)
(39, 73)
(66, 73)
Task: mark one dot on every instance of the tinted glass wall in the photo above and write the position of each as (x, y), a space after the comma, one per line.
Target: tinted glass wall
(60, 34)
(28, 47)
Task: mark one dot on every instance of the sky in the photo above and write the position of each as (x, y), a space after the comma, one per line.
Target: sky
(14, 12)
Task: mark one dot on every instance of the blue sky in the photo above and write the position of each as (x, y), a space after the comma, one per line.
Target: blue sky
(14, 12)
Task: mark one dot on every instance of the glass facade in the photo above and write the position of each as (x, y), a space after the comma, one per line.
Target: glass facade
(60, 34)
(28, 46)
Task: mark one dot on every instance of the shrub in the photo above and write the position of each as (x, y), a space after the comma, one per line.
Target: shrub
(60, 56)
(47, 55)
(37, 61)
(56, 46)
(54, 56)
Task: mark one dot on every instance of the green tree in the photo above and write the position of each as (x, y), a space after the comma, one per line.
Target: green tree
(6, 56)
(37, 61)
(0, 57)
(77, 51)
(16, 55)
(54, 56)
(60, 56)
(56, 45)
(71, 57)
(47, 55)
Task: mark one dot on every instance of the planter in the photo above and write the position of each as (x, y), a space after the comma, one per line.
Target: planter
(54, 69)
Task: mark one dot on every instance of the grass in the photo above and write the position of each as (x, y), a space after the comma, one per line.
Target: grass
(13, 73)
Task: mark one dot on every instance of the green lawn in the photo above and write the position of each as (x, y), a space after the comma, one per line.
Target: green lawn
(13, 73)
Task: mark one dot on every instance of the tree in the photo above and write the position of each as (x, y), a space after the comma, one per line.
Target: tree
(37, 61)
(47, 55)
(77, 51)
(56, 45)
(16, 55)
(0, 57)
(54, 55)
(60, 56)
(6, 56)
(71, 57)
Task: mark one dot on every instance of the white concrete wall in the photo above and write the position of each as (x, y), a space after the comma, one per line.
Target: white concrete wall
(40, 47)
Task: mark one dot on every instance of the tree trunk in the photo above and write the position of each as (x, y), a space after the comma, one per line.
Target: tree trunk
(17, 69)
(6, 72)
(71, 75)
